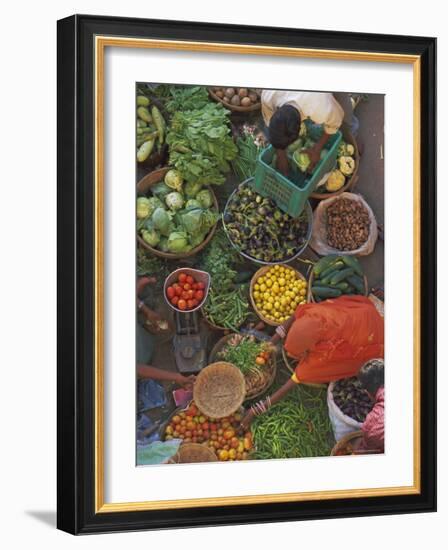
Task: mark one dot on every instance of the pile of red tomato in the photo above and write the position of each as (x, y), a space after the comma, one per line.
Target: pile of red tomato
(186, 293)
(224, 436)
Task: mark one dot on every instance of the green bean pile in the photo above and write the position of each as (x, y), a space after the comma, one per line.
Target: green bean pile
(297, 426)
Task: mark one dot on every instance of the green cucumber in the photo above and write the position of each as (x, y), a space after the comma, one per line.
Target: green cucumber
(325, 292)
(326, 280)
(351, 261)
(323, 263)
(358, 283)
(336, 266)
(341, 275)
(341, 286)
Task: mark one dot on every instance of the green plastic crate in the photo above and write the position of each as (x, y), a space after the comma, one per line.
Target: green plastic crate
(291, 194)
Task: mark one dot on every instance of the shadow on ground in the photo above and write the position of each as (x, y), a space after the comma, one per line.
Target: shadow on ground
(48, 517)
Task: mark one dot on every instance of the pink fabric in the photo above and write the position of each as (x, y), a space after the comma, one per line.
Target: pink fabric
(373, 426)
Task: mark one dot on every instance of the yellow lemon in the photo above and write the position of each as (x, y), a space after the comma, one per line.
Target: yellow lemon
(271, 299)
(302, 292)
(269, 283)
(256, 286)
(263, 287)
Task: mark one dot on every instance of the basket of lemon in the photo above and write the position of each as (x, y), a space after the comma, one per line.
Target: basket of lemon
(276, 291)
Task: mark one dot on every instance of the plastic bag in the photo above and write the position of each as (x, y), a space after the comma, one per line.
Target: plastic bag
(318, 240)
(158, 452)
(340, 422)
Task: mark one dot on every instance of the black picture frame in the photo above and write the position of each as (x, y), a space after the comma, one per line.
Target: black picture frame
(75, 474)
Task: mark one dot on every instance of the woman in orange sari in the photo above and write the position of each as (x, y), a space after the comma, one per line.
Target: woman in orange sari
(330, 340)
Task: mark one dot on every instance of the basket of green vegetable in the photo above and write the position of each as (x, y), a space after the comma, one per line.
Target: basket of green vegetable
(227, 304)
(261, 232)
(254, 358)
(174, 219)
(333, 275)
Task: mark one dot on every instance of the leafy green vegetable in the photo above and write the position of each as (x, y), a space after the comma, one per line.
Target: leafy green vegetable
(174, 200)
(174, 180)
(191, 219)
(205, 198)
(186, 98)
(161, 190)
(191, 189)
(201, 145)
(242, 353)
(143, 208)
(151, 236)
(178, 242)
(302, 160)
(161, 221)
(192, 203)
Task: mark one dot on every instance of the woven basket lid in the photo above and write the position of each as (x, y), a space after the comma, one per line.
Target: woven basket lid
(194, 452)
(219, 389)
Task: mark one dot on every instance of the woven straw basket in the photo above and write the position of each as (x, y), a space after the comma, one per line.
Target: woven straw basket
(219, 390)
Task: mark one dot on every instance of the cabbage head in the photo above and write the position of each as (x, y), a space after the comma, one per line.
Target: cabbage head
(163, 244)
(154, 203)
(160, 190)
(151, 237)
(174, 180)
(174, 200)
(192, 220)
(198, 239)
(178, 242)
(302, 160)
(143, 210)
(161, 220)
(192, 203)
(205, 198)
(192, 189)
(209, 218)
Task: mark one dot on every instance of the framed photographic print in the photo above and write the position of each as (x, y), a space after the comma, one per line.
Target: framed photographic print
(246, 269)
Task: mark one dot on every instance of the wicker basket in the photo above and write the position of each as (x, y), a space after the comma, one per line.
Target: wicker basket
(272, 366)
(236, 108)
(219, 390)
(289, 362)
(143, 187)
(342, 443)
(253, 281)
(193, 452)
(310, 297)
(352, 180)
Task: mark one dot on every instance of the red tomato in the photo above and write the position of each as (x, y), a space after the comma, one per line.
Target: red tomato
(194, 286)
(190, 294)
(190, 304)
(187, 286)
(170, 292)
(182, 304)
(182, 277)
(199, 295)
(200, 285)
(189, 280)
(195, 302)
(178, 291)
(184, 295)
(175, 300)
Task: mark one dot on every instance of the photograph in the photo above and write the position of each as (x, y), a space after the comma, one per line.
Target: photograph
(259, 274)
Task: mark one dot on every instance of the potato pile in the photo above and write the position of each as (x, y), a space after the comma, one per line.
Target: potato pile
(348, 224)
(238, 97)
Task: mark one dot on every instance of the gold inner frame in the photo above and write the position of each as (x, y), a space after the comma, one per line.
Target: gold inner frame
(101, 42)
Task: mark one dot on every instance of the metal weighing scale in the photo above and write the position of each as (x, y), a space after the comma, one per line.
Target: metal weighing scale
(189, 346)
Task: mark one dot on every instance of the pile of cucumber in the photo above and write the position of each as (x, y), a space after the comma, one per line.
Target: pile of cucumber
(336, 275)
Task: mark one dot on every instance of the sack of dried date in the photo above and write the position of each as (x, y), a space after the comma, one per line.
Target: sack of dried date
(344, 225)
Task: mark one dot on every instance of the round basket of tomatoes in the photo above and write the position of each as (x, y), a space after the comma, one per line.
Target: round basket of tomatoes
(224, 436)
(186, 289)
